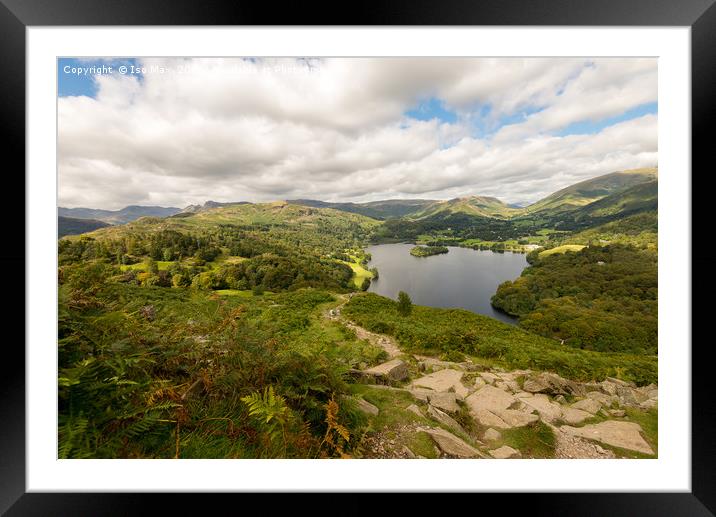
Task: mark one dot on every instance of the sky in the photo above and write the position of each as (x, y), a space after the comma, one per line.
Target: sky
(180, 131)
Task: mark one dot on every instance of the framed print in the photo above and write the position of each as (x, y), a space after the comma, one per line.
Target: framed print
(417, 251)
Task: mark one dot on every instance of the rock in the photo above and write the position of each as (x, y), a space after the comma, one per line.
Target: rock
(430, 363)
(588, 405)
(491, 435)
(603, 399)
(534, 386)
(421, 394)
(444, 419)
(617, 412)
(443, 380)
(451, 444)
(574, 416)
(490, 398)
(523, 394)
(446, 401)
(609, 388)
(367, 407)
(626, 435)
(648, 404)
(549, 411)
(515, 418)
(488, 377)
(505, 452)
(414, 409)
(408, 452)
(508, 385)
(480, 382)
(620, 382)
(559, 399)
(395, 370)
(489, 419)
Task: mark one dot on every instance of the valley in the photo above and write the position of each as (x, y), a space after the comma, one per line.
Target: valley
(255, 330)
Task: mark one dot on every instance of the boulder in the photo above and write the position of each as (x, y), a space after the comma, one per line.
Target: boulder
(603, 399)
(617, 412)
(421, 394)
(490, 398)
(489, 419)
(552, 384)
(395, 370)
(451, 445)
(489, 377)
(443, 380)
(620, 382)
(574, 416)
(414, 409)
(515, 418)
(588, 405)
(480, 382)
(444, 419)
(626, 435)
(430, 363)
(505, 452)
(491, 435)
(649, 404)
(444, 400)
(367, 407)
(549, 411)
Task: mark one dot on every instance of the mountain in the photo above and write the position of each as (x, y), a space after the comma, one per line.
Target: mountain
(589, 191)
(75, 226)
(125, 215)
(480, 206)
(385, 209)
(210, 204)
(278, 217)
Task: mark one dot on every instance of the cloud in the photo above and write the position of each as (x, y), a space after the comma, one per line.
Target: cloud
(189, 130)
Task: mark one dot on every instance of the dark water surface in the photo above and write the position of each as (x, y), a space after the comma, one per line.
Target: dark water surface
(462, 278)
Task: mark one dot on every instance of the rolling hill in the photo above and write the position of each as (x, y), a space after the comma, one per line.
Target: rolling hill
(481, 206)
(589, 191)
(74, 226)
(125, 215)
(376, 209)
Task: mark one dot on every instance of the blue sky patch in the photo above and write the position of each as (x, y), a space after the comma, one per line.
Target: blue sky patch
(590, 127)
(76, 77)
(431, 109)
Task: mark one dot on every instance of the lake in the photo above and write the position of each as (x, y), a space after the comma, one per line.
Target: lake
(463, 277)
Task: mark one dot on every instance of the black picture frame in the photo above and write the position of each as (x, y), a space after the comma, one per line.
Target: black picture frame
(700, 15)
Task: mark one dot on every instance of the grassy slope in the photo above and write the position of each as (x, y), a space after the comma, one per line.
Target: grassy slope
(475, 205)
(434, 330)
(586, 192)
(561, 249)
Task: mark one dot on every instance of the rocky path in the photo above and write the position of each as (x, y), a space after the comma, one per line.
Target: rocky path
(387, 343)
(469, 411)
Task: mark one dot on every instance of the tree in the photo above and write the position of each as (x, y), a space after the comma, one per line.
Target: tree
(405, 304)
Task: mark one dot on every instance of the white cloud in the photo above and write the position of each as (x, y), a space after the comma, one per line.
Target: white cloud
(336, 129)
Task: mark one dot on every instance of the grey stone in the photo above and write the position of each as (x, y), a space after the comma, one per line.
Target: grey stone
(489, 377)
(489, 419)
(414, 409)
(443, 380)
(444, 400)
(617, 412)
(451, 445)
(394, 370)
(626, 435)
(444, 419)
(490, 398)
(505, 452)
(574, 416)
(549, 411)
(367, 407)
(588, 405)
(491, 435)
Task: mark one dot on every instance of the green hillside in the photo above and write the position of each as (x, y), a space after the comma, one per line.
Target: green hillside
(376, 209)
(74, 226)
(480, 206)
(589, 191)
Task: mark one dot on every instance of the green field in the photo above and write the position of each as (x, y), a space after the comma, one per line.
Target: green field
(561, 249)
(360, 273)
